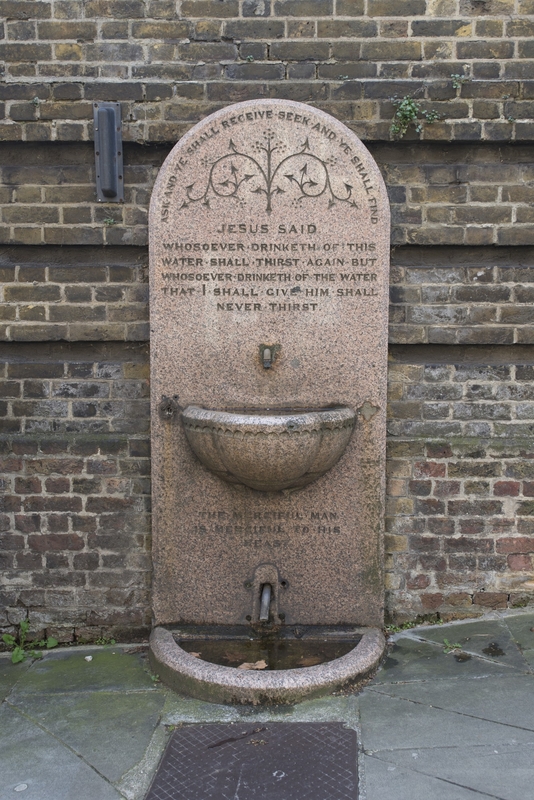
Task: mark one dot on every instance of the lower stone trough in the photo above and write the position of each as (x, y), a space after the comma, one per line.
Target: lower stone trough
(269, 257)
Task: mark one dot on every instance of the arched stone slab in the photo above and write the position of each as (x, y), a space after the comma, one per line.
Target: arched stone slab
(269, 230)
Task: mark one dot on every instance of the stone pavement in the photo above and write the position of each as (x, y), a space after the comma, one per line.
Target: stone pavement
(436, 722)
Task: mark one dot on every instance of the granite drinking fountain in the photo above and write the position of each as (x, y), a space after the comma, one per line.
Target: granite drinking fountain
(269, 260)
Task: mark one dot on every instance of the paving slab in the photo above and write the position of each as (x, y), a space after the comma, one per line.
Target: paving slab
(69, 671)
(385, 781)
(134, 784)
(489, 639)
(507, 700)
(390, 723)
(430, 726)
(521, 628)
(35, 764)
(528, 655)
(10, 674)
(505, 772)
(185, 710)
(412, 660)
(110, 730)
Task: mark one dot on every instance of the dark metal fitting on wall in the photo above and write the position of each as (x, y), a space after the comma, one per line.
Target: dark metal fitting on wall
(108, 152)
(168, 408)
(268, 353)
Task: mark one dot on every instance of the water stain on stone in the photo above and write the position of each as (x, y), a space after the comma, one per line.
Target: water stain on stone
(493, 649)
(461, 657)
(389, 663)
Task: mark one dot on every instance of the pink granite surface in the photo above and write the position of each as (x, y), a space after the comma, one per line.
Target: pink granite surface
(269, 451)
(269, 226)
(185, 673)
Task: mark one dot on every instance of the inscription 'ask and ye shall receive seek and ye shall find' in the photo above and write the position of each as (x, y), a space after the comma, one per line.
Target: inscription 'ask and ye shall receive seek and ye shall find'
(268, 168)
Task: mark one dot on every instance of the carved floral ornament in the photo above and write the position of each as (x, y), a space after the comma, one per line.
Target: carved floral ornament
(269, 171)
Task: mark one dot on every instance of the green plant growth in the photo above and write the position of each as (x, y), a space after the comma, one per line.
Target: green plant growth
(421, 619)
(450, 647)
(109, 221)
(398, 628)
(458, 80)
(104, 640)
(20, 648)
(409, 112)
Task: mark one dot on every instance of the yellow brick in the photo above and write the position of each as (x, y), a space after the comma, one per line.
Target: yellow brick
(465, 30)
(391, 581)
(441, 8)
(395, 543)
(396, 488)
(395, 391)
(364, 110)
(399, 505)
(136, 370)
(68, 52)
(399, 469)
(389, 562)
(407, 372)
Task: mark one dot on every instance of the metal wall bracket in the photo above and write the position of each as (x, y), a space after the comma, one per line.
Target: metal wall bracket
(108, 152)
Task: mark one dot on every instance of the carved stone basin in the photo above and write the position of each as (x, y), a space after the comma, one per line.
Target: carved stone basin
(270, 449)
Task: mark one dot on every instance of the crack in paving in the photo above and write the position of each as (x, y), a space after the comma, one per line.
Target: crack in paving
(451, 711)
(60, 741)
(460, 748)
(443, 780)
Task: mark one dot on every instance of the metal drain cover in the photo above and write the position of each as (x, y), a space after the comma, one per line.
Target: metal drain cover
(255, 761)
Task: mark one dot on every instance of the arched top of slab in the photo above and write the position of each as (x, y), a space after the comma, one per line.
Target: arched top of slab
(268, 159)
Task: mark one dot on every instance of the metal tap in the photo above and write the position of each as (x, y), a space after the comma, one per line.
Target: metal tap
(265, 602)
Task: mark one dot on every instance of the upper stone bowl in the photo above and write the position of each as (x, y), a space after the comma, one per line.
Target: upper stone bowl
(269, 450)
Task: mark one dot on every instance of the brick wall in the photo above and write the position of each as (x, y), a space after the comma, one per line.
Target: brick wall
(74, 420)
(461, 295)
(171, 63)
(74, 294)
(454, 194)
(74, 511)
(460, 515)
(74, 450)
(74, 508)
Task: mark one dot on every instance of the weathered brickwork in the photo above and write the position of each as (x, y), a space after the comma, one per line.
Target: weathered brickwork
(74, 294)
(75, 430)
(460, 515)
(478, 295)
(51, 198)
(74, 502)
(74, 437)
(454, 194)
(470, 194)
(74, 516)
(171, 63)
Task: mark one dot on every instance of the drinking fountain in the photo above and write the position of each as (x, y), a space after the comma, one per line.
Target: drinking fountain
(269, 259)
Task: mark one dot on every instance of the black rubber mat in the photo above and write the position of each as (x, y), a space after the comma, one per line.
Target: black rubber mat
(271, 761)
